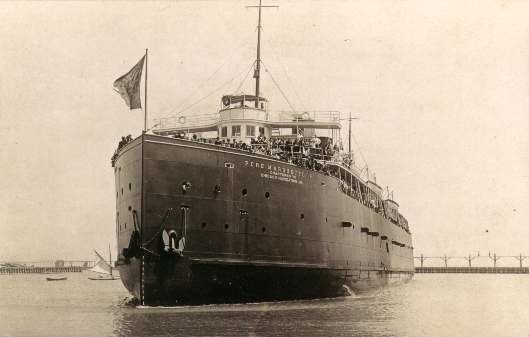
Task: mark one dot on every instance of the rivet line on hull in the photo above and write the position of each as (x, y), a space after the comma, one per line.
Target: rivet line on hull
(142, 284)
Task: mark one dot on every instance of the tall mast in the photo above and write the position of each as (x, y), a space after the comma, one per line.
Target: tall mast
(146, 73)
(257, 73)
(349, 133)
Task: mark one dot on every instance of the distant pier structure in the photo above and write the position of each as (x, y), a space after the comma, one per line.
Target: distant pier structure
(43, 267)
(490, 268)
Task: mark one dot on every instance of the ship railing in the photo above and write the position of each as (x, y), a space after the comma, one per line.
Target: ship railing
(315, 115)
(278, 115)
(243, 113)
(305, 151)
(183, 122)
(295, 152)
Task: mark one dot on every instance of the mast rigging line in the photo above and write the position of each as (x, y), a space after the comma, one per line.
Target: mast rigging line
(201, 85)
(285, 72)
(245, 77)
(278, 87)
(211, 92)
(360, 151)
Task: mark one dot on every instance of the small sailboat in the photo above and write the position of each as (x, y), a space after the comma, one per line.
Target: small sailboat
(103, 269)
(56, 278)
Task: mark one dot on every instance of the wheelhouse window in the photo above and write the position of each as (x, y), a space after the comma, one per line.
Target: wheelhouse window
(236, 130)
(250, 131)
(224, 131)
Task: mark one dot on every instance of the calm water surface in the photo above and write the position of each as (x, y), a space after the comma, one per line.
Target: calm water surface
(430, 305)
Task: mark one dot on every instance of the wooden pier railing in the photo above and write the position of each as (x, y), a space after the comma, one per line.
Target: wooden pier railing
(40, 270)
(475, 264)
(43, 267)
(472, 270)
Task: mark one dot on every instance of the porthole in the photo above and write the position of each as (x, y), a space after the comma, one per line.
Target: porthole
(302, 216)
(204, 225)
(226, 226)
(244, 192)
(130, 208)
(186, 186)
(325, 219)
(263, 229)
(267, 195)
(130, 187)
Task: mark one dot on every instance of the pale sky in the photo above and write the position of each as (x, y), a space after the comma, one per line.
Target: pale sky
(441, 89)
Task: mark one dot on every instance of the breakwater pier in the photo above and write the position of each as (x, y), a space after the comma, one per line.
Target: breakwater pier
(483, 264)
(44, 267)
(472, 270)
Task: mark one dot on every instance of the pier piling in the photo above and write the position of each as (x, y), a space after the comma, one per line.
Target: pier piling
(494, 269)
(43, 267)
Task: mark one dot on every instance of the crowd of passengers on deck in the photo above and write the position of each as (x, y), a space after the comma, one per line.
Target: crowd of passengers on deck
(306, 152)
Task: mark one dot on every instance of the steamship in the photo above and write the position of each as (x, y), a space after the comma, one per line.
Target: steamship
(252, 205)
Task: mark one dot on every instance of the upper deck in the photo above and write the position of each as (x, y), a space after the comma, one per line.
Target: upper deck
(236, 117)
(239, 109)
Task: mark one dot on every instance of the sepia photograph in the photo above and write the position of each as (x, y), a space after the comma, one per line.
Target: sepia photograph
(264, 168)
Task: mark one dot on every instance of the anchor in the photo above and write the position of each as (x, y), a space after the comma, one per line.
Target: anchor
(174, 242)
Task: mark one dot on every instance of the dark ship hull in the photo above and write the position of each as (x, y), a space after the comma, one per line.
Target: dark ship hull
(254, 228)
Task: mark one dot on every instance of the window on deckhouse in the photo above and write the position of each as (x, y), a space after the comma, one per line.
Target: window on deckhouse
(250, 131)
(224, 131)
(236, 130)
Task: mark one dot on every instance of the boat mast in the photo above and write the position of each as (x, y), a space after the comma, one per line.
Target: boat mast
(110, 257)
(257, 72)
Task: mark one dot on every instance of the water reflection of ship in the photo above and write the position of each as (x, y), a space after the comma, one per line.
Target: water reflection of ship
(267, 208)
(286, 318)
